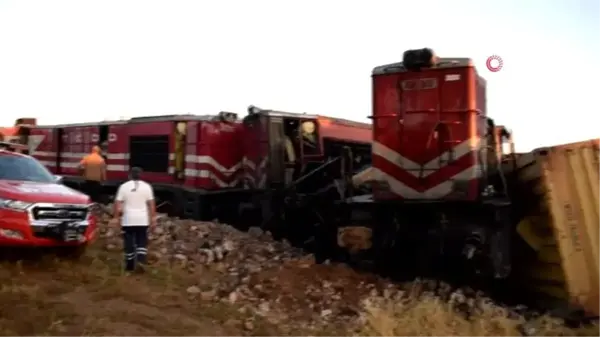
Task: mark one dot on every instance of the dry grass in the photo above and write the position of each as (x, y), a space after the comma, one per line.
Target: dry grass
(428, 316)
(92, 296)
(50, 296)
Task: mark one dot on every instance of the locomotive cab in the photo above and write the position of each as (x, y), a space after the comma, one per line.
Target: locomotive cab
(295, 159)
(286, 141)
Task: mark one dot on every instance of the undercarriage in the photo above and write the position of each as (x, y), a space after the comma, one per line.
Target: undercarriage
(464, 241)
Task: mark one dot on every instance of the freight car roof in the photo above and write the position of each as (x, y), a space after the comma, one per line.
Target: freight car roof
(161, 118)
(186, 117)
(283, 114)
(398, 67)
(347, 122)
(82, 124)
(310, 116)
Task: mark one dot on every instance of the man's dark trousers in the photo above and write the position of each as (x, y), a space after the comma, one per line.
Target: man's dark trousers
(135, 243)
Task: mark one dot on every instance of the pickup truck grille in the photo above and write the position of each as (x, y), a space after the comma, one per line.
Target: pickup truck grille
(65, 213)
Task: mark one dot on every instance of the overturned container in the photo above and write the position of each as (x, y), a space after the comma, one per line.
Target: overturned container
(560, 224)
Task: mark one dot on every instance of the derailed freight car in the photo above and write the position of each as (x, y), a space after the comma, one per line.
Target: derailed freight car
(558, 188)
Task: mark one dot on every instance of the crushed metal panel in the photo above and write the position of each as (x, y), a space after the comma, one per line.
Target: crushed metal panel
(563, 228)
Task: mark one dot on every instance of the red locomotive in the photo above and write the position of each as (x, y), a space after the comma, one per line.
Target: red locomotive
(294, 158)
(295, 144)
(204, 167)
(438, 190)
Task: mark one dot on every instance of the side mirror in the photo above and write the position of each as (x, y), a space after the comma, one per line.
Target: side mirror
(58, 179)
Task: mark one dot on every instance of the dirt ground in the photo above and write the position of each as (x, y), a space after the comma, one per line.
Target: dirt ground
(91, 296)
(48, 295)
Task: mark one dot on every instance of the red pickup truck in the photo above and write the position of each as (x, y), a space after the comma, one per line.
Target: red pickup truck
(36, 210)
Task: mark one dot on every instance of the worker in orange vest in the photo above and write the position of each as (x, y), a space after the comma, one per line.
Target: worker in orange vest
(93, 170)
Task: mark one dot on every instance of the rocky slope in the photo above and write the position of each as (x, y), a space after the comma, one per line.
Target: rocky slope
(274, 282)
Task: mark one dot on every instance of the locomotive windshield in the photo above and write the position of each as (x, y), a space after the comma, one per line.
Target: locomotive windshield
(302, 133)
(21, 168)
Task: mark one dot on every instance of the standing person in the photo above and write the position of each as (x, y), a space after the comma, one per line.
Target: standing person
(135, 206)
(93, 170)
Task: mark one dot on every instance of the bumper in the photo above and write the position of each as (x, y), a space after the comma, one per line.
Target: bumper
(17, 230)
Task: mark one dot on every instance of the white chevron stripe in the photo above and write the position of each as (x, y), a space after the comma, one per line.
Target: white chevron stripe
(250, 164)
(255, 173)
(432, 166)
(436, 192)
(210, 175)
(414, 169)
(212, 162)
(124, 168)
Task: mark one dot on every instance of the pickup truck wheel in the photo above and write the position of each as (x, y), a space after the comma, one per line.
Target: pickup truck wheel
(74, 252)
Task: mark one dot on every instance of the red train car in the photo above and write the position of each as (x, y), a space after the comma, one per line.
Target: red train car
(205, 167)
(281, 147)
(440, 200)
(291, 156)
(176, 152)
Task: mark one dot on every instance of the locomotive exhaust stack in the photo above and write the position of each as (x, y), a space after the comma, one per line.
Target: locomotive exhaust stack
(415, 60)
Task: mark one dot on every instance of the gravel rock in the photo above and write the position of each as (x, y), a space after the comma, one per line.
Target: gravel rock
(275, 281)
(248, 269)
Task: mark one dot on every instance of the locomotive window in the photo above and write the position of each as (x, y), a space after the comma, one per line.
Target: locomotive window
(420, 84)
(409, 85)
(428, 83)
(150, 153)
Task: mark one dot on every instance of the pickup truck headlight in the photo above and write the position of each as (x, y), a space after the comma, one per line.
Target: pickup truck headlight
(14, 204)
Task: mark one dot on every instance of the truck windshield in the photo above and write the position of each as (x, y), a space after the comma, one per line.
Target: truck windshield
(24, 169)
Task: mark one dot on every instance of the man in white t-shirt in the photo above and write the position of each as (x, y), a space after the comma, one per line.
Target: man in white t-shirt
(135, 206)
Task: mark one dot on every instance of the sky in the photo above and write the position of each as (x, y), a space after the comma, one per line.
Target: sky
(86, 60)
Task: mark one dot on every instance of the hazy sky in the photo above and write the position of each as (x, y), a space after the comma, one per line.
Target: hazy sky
(74, 61)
